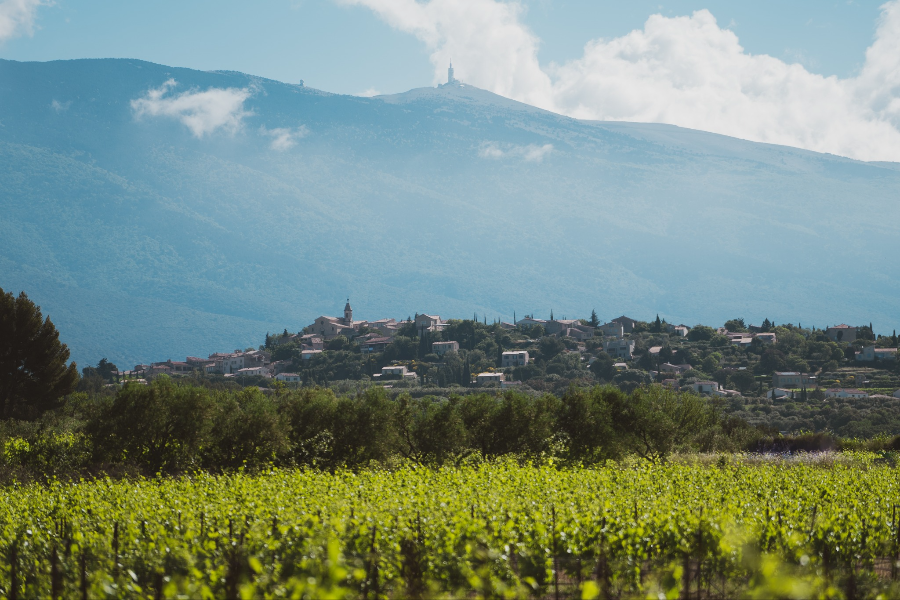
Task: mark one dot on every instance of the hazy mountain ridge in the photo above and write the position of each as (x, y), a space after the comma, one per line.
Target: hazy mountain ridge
(423, 201)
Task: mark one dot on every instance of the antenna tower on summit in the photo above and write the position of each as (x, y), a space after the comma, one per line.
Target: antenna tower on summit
(450, 77)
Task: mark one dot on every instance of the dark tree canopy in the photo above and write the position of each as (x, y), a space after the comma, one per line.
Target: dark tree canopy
(33, 371)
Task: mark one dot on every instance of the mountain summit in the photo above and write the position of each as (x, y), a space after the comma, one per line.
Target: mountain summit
(155, 212)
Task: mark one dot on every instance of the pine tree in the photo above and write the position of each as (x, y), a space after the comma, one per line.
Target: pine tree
(594, 320)
(657, 325)
(33, 372)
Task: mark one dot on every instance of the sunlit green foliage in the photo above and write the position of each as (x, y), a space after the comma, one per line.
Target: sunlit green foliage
(787, 529)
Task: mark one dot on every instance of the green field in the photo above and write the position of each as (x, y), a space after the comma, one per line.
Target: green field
(733, 526)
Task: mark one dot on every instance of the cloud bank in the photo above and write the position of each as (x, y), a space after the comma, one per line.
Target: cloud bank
(685, 71)
(17, 17)
(201, 112)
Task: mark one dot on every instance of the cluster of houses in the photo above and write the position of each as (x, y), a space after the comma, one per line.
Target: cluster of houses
(375, 336)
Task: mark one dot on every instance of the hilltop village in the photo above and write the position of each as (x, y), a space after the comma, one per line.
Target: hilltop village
(765, 361)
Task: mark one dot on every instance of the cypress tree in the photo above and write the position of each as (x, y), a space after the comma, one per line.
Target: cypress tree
(33, 371)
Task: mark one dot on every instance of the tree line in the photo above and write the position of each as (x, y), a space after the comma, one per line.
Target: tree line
(168, 427)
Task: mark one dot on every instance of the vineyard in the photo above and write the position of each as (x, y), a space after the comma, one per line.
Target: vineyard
(674, 530)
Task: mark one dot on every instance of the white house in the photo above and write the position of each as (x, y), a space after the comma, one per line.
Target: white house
(627, 323)
(489, 377)
(288, 377)
(442, 348)
(386, 327)
(262, 371)
(845, 393)
(560, 326)
(311, 341)
(514, 359)
(580, 333)
(228, 363)
(620, 348)
(428, 323)
(706, 387)
(793, 379)
(778, 393)
(871, 353)
(531, 322)
(766, 338)
(308, 354)
(740, 339)
(681, 330)
(394, 371)
(612, 329)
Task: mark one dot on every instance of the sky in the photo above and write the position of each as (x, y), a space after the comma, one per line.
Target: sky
(819, 75)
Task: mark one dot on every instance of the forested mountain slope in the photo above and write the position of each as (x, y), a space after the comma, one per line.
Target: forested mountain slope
(143, 241)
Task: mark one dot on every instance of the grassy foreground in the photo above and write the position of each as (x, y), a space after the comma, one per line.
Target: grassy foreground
(729, 528)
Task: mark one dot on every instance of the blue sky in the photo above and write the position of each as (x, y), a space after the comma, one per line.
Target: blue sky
(348, 49)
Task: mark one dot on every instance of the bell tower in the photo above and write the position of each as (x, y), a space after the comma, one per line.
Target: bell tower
(348, 313)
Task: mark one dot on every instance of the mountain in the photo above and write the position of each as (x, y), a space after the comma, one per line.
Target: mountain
(143, 241)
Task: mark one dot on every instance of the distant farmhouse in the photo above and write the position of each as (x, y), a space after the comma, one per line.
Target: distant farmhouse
(871, 353)
(841, 333)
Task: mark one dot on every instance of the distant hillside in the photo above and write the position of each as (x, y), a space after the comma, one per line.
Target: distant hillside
(144, 242)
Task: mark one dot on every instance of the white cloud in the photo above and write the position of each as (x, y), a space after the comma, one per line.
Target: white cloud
(530, 153)
(201, 112)
(284, 138)
(369, 93)
(686, 71)
(60, 107)
(17, 17)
